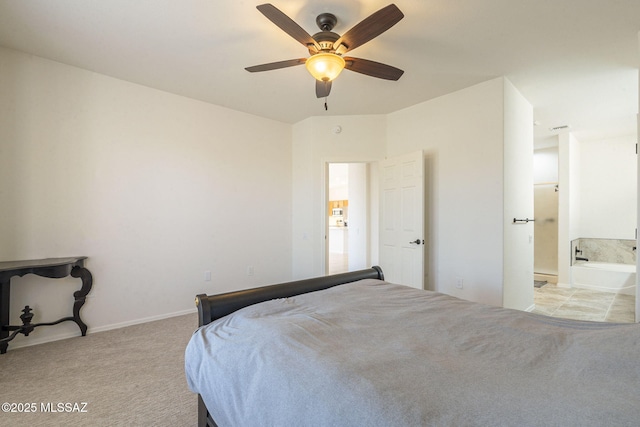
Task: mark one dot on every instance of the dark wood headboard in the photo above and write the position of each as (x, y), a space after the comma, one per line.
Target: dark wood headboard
(212, 307)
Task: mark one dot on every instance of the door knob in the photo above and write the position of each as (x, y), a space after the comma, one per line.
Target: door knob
(415, 242)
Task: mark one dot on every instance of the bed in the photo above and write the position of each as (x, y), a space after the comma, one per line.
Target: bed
(353, 350)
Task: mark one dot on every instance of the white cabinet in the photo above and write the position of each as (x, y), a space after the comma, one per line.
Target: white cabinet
(338, 239)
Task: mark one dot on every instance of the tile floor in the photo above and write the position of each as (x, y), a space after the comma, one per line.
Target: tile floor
(551, 300)
(584, 304)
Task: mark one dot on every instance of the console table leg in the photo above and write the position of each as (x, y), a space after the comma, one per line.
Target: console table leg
(4, 314)
(80, 296)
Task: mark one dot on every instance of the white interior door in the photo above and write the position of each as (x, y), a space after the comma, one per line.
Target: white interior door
(402, 219)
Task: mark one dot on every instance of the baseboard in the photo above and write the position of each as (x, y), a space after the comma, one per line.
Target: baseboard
(143, 320)
(563, 285)
(550, 278)
(35, 341)
(530, 308)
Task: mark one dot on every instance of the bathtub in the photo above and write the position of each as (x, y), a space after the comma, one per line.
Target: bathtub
(604, 276)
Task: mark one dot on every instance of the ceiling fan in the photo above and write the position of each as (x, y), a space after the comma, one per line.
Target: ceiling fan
(327, 48)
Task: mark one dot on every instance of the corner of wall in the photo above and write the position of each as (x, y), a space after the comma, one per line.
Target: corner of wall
(517, 199)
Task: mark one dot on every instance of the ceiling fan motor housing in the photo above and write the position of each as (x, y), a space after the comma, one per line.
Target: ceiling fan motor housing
(326, 39)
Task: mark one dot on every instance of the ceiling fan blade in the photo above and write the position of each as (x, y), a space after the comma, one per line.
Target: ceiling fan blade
(288, 25)
(369, 28)
(276, 65)
(322, 89)
(373, 69)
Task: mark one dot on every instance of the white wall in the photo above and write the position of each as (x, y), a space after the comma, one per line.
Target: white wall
(545, 165)
(314, 144)
(575, 211)
(358, 225)
(569, 210)
(518, 200)
(154, 188)
(462, 135)
(608, 188)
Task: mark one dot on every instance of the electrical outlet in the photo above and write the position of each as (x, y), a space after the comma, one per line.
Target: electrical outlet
(459, 282)
(250, 270)
(207, 276)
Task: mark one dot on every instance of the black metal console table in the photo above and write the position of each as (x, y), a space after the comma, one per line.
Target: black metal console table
(54, 268)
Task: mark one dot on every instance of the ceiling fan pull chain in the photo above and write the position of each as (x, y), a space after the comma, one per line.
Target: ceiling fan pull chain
(325, 104)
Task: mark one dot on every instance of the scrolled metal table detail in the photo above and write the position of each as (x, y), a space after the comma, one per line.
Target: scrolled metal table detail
(54, 268)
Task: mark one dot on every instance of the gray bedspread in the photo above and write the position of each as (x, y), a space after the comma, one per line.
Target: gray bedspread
(372, 353)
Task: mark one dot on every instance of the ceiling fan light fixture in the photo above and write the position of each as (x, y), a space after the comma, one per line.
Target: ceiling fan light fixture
(325, 66)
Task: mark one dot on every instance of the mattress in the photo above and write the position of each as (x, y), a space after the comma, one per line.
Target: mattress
(378, 354)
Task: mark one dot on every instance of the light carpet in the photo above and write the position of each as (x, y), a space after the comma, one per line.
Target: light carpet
(132, 376)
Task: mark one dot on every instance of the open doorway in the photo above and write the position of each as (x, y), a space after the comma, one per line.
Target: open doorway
(545, 206)
(346, 217)
(545, 202)
(592, 184)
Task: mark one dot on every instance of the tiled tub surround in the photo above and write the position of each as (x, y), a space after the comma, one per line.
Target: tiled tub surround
(614, 251)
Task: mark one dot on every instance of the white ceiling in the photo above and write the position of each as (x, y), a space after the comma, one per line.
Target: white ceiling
(576, 61)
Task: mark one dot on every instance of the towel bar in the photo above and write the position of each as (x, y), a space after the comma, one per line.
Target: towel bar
(515, 220)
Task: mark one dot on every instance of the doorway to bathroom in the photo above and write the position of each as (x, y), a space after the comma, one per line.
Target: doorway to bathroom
(585, 206)
(545, 229)
(545, 210)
